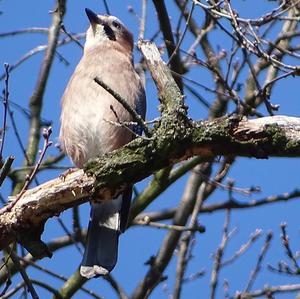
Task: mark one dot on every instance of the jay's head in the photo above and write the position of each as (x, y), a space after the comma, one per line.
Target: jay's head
(105, 28)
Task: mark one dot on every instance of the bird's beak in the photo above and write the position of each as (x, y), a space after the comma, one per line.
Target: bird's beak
(94, 19)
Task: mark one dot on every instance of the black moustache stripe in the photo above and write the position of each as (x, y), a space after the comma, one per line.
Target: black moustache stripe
(109, 32)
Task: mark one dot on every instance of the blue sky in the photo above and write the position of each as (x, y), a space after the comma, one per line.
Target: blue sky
(274, 176)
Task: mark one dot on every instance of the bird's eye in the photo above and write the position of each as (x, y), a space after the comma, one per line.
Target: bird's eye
(116, 24)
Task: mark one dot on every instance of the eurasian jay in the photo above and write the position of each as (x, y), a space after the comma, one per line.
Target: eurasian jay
(88, 127)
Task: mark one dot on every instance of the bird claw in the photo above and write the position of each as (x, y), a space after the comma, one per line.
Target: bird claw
(63, 175)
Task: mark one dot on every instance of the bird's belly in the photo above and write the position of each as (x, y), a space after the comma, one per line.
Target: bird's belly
(94, 134)
(105, 137)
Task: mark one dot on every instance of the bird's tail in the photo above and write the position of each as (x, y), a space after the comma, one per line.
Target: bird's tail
(107, 221)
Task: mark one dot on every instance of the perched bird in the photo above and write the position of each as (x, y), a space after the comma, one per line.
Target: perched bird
(88, 127)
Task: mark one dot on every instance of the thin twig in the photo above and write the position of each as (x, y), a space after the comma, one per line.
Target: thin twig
(260, 258)
(166, 29)
(39, 49)
(65, 229)
(126, 125)
(7, 285)
(58, 276)
(136, 117)
(286, 244)
(17, 134)
(5, 104)
(71, 36)
(6, 168)
(143, 20)
(114, 284)
(48, 163)
(228, 204)
(25, 30)
(183, 34)
(254, 236)
(8, 281)
(146, 222)
(106, 7)
(186, 240)
(76, 223)
(218, 256)
(24, 275)
(13, 291)
(268, 292)
(47, 144)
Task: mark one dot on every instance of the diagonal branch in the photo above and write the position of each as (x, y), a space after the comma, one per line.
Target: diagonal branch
(166, 29)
